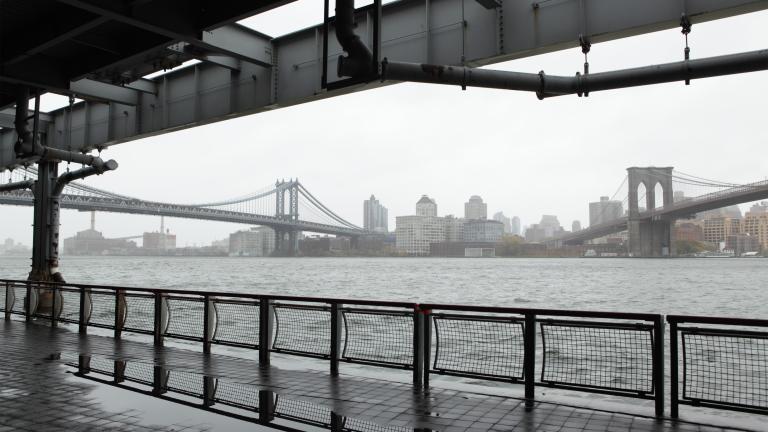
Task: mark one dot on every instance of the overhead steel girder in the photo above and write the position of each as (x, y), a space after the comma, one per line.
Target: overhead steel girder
(419, 31)
(227, 40)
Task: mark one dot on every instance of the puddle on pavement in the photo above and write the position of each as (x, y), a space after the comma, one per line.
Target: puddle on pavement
(173, 398)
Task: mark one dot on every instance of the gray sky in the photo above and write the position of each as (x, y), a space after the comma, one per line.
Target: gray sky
(523, 156)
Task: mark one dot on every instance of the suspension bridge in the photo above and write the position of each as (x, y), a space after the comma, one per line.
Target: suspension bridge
(287, 207)
(668, 195)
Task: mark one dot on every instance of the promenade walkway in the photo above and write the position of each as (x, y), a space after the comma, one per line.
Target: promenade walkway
(41, 391)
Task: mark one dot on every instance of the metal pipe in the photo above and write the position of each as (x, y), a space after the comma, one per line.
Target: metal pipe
(359, 59)
(24, 184)
(552, 85)
(82, 173)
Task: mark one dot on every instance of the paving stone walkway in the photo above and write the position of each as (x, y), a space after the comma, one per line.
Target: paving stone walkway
(43, 391)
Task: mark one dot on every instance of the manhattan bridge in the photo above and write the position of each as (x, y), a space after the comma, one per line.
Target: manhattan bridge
(286, 206)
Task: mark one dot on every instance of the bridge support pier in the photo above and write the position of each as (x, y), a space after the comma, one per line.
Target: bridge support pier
(651, 238)
(45, 232)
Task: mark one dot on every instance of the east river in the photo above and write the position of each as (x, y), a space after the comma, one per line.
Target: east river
(704, 286)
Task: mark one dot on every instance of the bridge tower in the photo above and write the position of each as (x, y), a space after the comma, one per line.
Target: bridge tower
(290, 245)
(649, 237)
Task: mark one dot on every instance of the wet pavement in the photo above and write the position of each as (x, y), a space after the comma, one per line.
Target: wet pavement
(55, 379)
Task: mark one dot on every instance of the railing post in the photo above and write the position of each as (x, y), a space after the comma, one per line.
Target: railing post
(673, 370)
(337, 422)
(28, 302)
(81, 324)
(266, 406)
(658, 366)
(158, 329)
(8, 304)
(529, 360)
(206, 325)
(427, 352)
(83, 364)
(53, 306)
(336, 319)
(119, 369)
(418, 348)
(159, 383)
(266, 322)
(209, 391)
(118, 314)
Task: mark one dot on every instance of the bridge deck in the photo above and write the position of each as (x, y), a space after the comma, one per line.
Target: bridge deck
(38, 394)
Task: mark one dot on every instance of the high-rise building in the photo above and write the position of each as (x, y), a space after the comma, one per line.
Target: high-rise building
(499, 216)
(257, 241)
(759, 208)
(550, 225)
(454, 229)
(516, 228)
(604, 210)
(426, 206)
(375, 216)
(475, 208)
(689, 231)
(576, 226)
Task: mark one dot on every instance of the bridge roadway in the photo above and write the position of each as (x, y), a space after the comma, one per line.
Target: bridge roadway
(135, 206)
(678, 210)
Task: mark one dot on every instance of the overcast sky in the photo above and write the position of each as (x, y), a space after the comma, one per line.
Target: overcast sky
(523, 156)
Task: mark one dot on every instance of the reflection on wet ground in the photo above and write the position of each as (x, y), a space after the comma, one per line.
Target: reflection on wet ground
(54, 379)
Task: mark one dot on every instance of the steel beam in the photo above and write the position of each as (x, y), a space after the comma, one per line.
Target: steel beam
(436, 31)
(104, 92)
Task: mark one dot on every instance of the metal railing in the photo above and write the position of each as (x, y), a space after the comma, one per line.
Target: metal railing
(619, 354)
(724, 363)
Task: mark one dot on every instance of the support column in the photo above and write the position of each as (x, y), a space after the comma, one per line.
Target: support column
(45, 234)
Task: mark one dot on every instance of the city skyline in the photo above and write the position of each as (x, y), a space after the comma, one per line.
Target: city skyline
(556, 163)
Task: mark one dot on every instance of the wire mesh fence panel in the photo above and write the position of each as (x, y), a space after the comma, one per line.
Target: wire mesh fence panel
(102, 309)
(70, 306)
(140, 313)
(237, 322)
(598, 355)
(186, 317)
(304, 330)
(186, 383)
(237, 395)
(379, 337)
(303, 412)
(143, 373)
(483, 347)
(357, 425)
(728, 369)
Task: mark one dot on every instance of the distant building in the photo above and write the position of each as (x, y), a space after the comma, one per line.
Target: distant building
(755, 223)
(415, 233)
(742, 243)
(499, 216)
(159, 241)
(475, 208)
(476, 230)
(92, 242)
(516, 228)
(454, 228)
(689, 231)
(575, 226)
(426, 206)
(605, 210)
(375, 216)
(256, 242)
(548, 227)
(717, 229)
